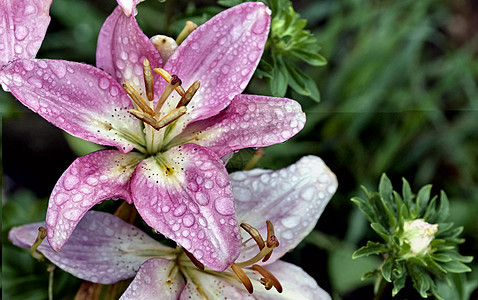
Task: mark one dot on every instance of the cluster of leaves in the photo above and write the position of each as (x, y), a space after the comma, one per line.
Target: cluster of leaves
(387, 212)
(288, 44)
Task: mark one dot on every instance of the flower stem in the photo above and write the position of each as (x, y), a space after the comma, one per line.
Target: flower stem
(380, 287)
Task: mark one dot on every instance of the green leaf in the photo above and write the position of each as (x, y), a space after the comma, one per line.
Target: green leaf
(370, 248)
(302, 83)
(378, 228)
(423, 197)
(364, 208)
(407, 195)
(385, 188)
(456, 267)
(398, 284)
(443, 209)
(312, 58)
(387, 269)
(279, 80)
(230, 3)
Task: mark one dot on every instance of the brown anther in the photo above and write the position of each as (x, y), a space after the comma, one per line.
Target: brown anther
(242, 277)
(268, 277)
(267, 283)
(270, 235)
(137, 99)
(171, 117)
(40, 237)
(166, 76)
(148, 79)
(196, 262)
(175, 80)
(254, 233)
(186, 98)
(144, 117)
(273, 242)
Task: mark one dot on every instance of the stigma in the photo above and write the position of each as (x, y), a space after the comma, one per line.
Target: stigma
(145, 110)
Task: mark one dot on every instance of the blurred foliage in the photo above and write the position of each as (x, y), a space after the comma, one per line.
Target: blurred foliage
(399, 95)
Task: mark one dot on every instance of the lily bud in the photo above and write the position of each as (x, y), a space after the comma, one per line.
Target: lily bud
(418, 234)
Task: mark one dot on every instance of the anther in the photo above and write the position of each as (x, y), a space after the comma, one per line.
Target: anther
(271, 241)
(166, 76)
(242, 277)
(148, 79)
(171, 117)
(268, 278)
(196, 262)
(186, 98)
(172, 84)
(254, 233)
(137, 99)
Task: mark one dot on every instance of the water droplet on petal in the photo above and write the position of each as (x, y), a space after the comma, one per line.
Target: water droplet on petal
(224, 206)
(188, 220)
(180, 210)
(104, 83)
(21, 32)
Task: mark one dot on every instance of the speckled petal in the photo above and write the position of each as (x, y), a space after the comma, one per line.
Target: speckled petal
(89, 180)
(23, 24)
(222, 54)
(249, 121)
(185, 194)
(102, 249)
(77, 98)
(153, 282)
(121, 48)
(296, 284)
(292, 199)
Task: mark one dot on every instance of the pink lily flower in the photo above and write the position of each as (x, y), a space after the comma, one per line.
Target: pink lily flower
(174, 176)
(23, 25)
(105, 249)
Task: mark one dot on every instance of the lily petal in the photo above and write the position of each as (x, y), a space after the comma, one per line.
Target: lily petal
(121, 48)
(89, 180)
(296, 284)
(292, 199)
(249, 121)
(80, 99)
(222, 54)
(184, 193)
(153, 281)
(102, 249)
(23, 25)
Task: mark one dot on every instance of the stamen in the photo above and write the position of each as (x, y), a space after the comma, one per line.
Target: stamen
(144, 117)
(171, 117)
(166, 76)
(40, 237)
(242, 277)
(137, 99)
(254, 233)
(174, 83)
(268, 278)
(258, 154)
(188, 28)
(148, 79)
(271, 239)
(186, 98)
(266, 250)
(196, 262)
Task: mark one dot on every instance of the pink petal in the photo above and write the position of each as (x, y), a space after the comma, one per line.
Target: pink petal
(23, 24)
(222, 54)
(191, 203)
(292, 199)
(296, 284)
(249, 121)
(153, 281)
(121, 48)
(102, 249)
(89, 180)
(128, 6)
(78, 98)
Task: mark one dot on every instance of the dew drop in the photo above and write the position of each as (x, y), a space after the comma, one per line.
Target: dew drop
(224, 206)
(104, 83)
(180, 210)
(21, 32)
(188, 220)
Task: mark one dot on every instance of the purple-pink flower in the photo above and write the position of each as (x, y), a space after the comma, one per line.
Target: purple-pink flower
(105, 249)
(174, 176)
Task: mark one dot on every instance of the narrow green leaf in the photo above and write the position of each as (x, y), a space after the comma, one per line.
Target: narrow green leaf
(378, 228)
(407, 194)
(387, 269)
(370, 248)
(364, 208)
(312, 58)
(456, 267)
(279, 80)
(398, 284)
(443, 209)
(423, 197)
(302, 83)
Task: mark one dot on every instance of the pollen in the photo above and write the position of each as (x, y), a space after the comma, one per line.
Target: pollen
(154, 116)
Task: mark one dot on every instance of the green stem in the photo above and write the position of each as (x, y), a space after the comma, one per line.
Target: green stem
(382, 286)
